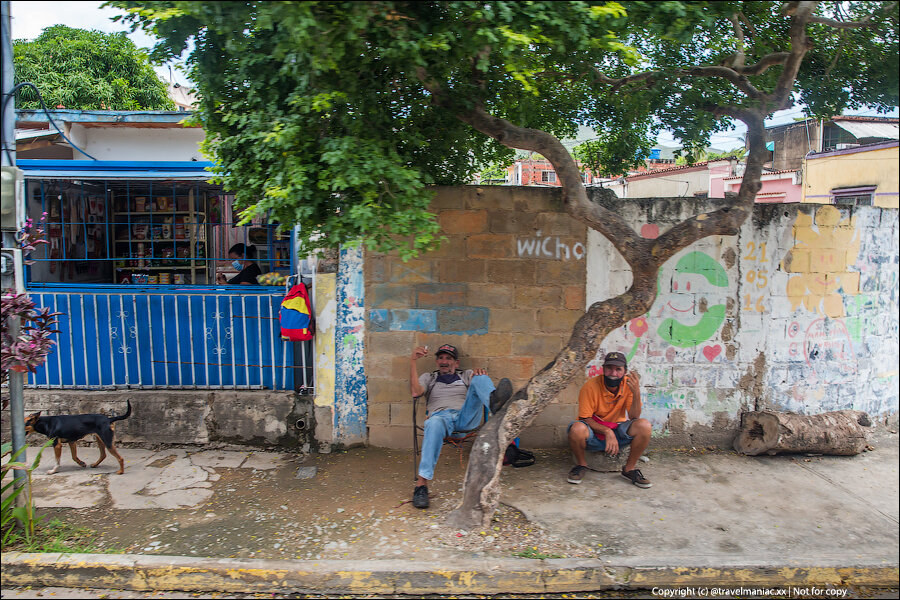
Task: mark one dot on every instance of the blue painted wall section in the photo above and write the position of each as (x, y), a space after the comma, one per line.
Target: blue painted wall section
(452, 320)
(351, 395)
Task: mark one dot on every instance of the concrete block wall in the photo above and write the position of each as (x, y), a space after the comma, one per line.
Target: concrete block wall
(505, 288)
(798, 312)
(256, 418)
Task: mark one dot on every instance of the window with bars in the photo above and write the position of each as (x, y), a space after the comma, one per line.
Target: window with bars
(548, 176)
(128, 231)
(857, 196)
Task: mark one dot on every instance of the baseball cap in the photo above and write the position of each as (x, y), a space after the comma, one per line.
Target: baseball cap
(615, 358)
(448, 349)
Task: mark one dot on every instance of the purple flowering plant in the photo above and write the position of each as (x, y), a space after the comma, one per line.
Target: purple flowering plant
(31, 236)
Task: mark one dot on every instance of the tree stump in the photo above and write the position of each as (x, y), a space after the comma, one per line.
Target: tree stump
(840, 432)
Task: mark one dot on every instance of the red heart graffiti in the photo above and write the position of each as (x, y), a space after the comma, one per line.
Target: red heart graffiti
(710, 352)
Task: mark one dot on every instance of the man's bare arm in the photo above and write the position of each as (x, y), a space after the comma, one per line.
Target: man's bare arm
(415, 388)
(633, 381)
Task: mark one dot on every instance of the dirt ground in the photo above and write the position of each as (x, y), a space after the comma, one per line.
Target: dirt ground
(355, 507)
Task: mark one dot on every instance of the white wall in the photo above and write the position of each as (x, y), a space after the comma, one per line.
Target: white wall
(138, 143)
(798, 312)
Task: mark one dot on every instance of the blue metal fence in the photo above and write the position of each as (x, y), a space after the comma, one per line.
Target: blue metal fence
(155, 337)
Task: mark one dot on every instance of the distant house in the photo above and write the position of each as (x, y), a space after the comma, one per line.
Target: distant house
(530, 171)
(789, 144)
(866, 175)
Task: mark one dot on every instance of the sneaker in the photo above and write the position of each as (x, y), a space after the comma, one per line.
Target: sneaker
(420, 497)
(636, 478)
(501, 395)
(576, 474)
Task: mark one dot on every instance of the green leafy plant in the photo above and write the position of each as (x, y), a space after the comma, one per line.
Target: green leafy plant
(10, 513)
(535, 553)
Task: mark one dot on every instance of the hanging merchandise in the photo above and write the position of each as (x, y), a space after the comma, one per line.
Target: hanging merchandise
(296, 315)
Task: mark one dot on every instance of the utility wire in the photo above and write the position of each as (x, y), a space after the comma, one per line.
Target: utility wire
(9, 96)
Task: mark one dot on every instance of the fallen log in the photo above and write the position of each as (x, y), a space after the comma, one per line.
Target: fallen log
(840, 432)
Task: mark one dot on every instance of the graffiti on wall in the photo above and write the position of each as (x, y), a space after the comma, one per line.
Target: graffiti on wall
(810, 318)
(824, 250)
(689, 315)
(350, 410)
(549, 247)
(678, 330)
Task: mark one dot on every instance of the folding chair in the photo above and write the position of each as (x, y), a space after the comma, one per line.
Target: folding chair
(457, 439)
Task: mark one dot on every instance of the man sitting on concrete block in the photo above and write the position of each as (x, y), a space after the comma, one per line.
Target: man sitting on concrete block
(454, 401)
(609, 418)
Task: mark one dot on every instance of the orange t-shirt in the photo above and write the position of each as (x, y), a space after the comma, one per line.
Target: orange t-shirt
(595, 399)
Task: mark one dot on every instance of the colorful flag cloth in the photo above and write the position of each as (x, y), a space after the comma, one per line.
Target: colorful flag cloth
(296, 315)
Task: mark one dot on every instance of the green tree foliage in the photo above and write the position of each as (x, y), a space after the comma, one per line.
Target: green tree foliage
(80, 69)
(337, 115)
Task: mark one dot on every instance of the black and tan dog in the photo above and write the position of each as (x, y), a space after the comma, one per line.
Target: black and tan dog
(68, 429)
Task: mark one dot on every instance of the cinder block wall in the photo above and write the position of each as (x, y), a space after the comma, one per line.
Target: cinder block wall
(505, 288)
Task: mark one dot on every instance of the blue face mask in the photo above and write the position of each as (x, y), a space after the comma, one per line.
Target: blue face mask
(237, 265)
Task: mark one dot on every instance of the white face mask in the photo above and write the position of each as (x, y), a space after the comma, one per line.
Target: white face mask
(237, 265)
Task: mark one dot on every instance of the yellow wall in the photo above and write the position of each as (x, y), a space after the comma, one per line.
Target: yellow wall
(325, 299)
(868, 167)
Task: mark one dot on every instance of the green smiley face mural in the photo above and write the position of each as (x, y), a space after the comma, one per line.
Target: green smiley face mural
(673, 329)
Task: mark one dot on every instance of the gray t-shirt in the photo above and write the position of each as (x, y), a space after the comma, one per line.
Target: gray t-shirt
(445, 395)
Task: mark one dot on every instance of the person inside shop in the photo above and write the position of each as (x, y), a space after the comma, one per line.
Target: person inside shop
(242, 259)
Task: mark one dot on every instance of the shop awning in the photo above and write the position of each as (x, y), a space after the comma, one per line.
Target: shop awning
(114, 169)
(868, 131)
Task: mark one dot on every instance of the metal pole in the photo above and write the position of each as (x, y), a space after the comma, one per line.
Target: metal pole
(17, 393)
(16, 379)
(9, 103)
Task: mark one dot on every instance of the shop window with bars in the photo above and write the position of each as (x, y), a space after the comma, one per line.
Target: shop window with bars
(145, 232)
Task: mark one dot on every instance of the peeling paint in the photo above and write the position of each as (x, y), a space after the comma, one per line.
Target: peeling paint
(351, 395)
(782, 316)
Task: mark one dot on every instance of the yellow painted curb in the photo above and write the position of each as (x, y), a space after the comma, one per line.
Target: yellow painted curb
(154, 572)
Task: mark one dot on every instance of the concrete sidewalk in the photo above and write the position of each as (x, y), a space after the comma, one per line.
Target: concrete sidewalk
(239, 521)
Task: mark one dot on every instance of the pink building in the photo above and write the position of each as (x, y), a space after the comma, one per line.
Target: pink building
(777, 186)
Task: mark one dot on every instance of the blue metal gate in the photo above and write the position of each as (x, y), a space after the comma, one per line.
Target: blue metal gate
(147, 338)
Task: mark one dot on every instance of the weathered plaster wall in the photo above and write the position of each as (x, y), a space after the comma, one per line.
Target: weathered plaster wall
(798, 312)
(505, 287)
(182, 417)
(350, 410)
(325, 302)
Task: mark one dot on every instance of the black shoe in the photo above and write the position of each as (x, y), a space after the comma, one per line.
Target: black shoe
(420, 497)
(501, 395)
(636, 478)
(576, 474)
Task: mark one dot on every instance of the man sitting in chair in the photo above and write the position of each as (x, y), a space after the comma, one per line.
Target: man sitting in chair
(454, 401)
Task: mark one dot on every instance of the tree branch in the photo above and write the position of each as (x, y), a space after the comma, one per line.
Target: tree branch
(618, 83)
(739, 57)
(739, 80)
(577, 204)
(800, 13)
(770, 60)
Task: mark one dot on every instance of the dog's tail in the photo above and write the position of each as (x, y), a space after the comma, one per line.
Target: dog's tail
(125, 416)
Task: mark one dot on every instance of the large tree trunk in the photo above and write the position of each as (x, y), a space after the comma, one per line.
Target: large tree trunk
(481, 492)
(840, 432)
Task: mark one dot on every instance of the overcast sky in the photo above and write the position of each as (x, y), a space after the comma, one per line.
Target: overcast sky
(30, 18)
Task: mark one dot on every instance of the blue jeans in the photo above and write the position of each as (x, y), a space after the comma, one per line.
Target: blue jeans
(444, 422)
